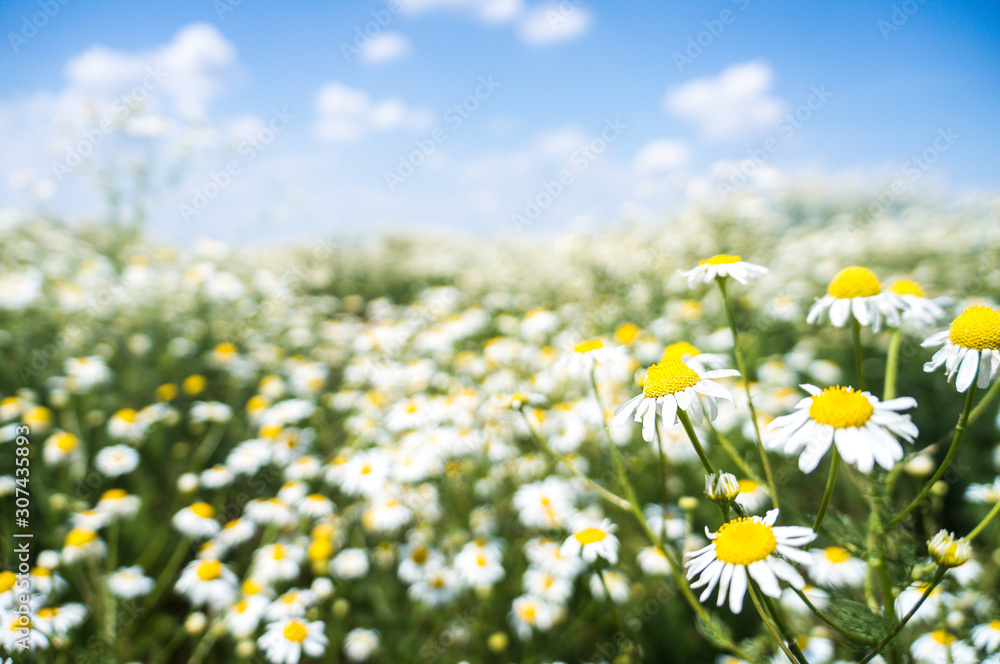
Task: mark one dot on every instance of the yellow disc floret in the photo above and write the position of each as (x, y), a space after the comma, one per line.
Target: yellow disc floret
(841, 408)
(744, 541)
(80, 537)
(836, 554)
(720, 259)
(209, 570)
(589, 345)
(204, 510)
(854, 281)
(943, 637)
(907, 287)
(590, 535)
(668, 378)
(296, 631)
(977, 327)
(679, 351)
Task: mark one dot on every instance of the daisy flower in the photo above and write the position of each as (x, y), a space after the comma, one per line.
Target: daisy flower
(834, 566)
(692, 356)
(855, 291)
(130, 583)
(971, 348)
(350, 564)
(983, 493)
(360, 644)
(987, 636)
(480, 563)
(197, 521)
(208, 582)
(908, 598)
(82, 544)
(721, 266)
(859, 424)
(922, 311)
(585, 355)
(792, 602)
(670, 386)
(60, 620)
(941, 646)
(18, 629)
(284, 641)
(116, 460)
(618, 586)
(61, 447)
(653, 562)
(752, 496)
(590, 541)
(751, 546)
(117, 503)
(528, 612)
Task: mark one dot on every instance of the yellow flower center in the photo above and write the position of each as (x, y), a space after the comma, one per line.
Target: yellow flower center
(626, 333)
(7, 580)
(204, 510)
(296, 631)
(836, 554)
(977, 327)
(590, 536)
(41, 571)
(210, 570)
(126, 415)
(320, 549)
(667, 378)
(80, 537)
(678, 351)
(747, 486)
(942, 637)
(251, 587)
(907, 287)
(744, 541)
(226, 348)
(841, 408)
(854, 281)
(114, 494)
(47, 612)
(587, 346)
(278, 553)
(66, 442)
(720, 259)
(166, 392)
(419, 555)
(528, 613)
(995, 625)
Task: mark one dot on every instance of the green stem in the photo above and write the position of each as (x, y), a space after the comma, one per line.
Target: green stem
(167, 574)
(982, 524)
(831, 480)
(769, 624)
(854, 636)
(938, 576)
(892, 365)
(689, 428)
(611, 497)
(858, 357)
(741, 365)
(959, 432)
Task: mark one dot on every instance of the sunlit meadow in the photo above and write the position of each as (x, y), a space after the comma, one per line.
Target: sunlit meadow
(429, 450)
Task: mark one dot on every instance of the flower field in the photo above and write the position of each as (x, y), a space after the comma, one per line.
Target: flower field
(431, 450)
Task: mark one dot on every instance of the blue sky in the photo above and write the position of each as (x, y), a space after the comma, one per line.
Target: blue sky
(595, 111)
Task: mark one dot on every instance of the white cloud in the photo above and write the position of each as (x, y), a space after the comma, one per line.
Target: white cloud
(488, 11)
(553, 22)
(345, 114)
(385, 47)
(733, 105)
(537, 26)
(195, 67)
(661, 155)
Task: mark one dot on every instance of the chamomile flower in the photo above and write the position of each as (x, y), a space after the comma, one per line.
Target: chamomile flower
(82, 544)
(197, 521)
(693, 357)
(653, 562)
(908, 598)
(284, 641)
(350, 564)
(983, 493)
(277, 562)
(118, 504)
(618, 586)
(528, 612)
(360, 644)
(752, 496)
(546, 585)
(585, 355)
(116, 460)
(590, 541)
(18, 629)
(242, 618)
(130, 583)
(670, 386)
(941, 646)
(857, 422)
(835, 566)
(208, 582)
(792, 602)
(480, 563)
(62, 447)
(971, 348)
(921, 312)
(855, 291)
(547, 504)
(817, 650)
(722, 266)
(751, 546)
(60, 620)
(987, 636)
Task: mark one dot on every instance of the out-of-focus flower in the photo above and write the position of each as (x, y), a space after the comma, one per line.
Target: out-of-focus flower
(722, 266)
(971, 348)
(855, 291)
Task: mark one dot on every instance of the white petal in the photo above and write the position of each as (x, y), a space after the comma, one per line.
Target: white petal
(727, 574)
(967, 372)
(785, 571)
(861, 308)
(623, 411)
(737, 588)
(813, 452)
(839, 312)
(811, 389)
(899, 403)
(793, 554)
(668, 410)
(713, 389)
(765, 578)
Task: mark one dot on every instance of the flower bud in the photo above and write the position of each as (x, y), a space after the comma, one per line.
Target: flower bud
(722, 488)
(948, 551)
(195, 623)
